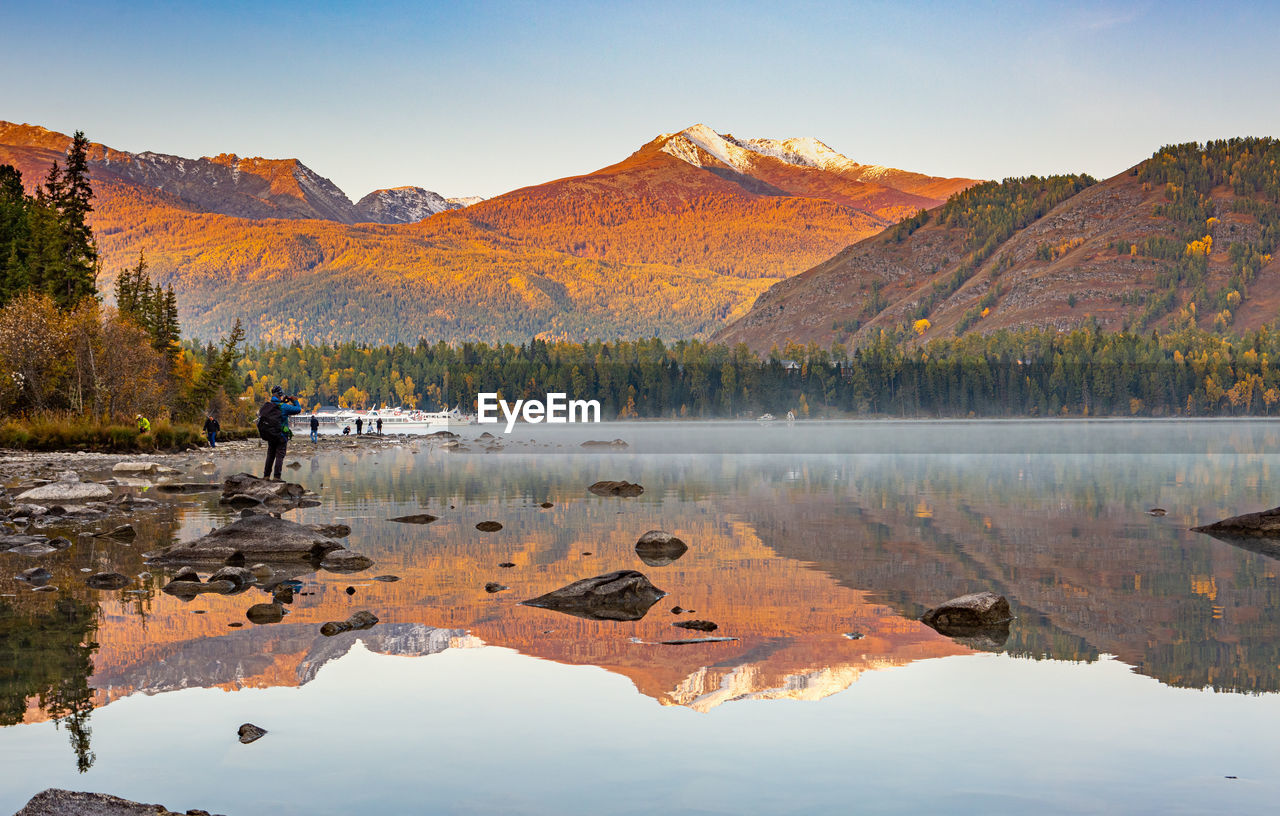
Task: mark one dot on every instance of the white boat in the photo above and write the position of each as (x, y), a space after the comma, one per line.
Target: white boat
(394, 420)
(765, 418)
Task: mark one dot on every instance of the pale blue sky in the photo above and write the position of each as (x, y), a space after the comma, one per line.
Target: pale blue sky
(480, 98)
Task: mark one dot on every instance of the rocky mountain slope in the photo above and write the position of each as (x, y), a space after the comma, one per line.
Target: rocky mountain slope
(230, 185)
(673, 241)
(1186, 236)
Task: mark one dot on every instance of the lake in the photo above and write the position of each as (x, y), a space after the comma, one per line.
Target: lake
(1139, 675)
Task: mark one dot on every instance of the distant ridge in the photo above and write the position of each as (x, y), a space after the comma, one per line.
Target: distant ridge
(1187, 237)
(669, 241)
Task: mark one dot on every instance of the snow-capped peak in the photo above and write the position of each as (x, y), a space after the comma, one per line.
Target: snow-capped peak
(692, 144)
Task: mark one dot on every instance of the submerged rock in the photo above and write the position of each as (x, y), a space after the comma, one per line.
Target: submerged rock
(600, 443)
(697, 625)
(694, 641)
(658, 549)
(189, 487)
(360, 620)
(239, 576)
(256, 538)
(611, 488)
(36, 576)
(494, 586)
(420, 518)
(186, 574)
(344, 560)
(124, 532)
(106, 580)
(386, 578)
(546, 505)
(969, 612)
(15, 542)
(265, 613)
(489, 526)
(249, 733)
(625, 595)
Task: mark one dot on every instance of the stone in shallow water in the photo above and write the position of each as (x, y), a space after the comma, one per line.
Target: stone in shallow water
(612, 488)
(107, 580)
(625, 595)
(265, 613)
(976, 609)
(419, 518)
(66, 492)
(494, 586)
(697, 625)
(249, 733)
(359, 620)
(658, 549)
(36, 576)
(260, 537)
(489, 526)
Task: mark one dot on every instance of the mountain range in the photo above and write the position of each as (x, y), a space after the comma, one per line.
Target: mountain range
(674, 241)
(1186, 237)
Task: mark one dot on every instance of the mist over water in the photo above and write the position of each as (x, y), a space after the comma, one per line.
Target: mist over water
(1135, 643)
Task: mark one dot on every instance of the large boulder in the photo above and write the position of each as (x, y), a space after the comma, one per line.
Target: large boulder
(244, 490)
(611, 488)
(658, 549)
(625, 595)
(1265, 524)
(960, 616)
(57, 802)
(255, 538)
(63, 491)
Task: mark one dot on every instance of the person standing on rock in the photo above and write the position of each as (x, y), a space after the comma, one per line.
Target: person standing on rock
(211, 428)
(315, 429)
(379, 426)
(359, 426)
(273, 426)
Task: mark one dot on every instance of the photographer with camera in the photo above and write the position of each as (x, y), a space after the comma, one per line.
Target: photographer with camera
(273, 426)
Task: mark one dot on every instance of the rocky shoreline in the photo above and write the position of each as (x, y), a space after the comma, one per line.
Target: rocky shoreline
(58, 802)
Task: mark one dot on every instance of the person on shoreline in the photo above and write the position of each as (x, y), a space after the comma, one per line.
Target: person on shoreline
(211, 428)
(144, 425)
(273, 426)
(379, 426)
(359, 426)
(315, 429)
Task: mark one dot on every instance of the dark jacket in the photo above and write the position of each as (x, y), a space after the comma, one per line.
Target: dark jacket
(211, 425)
(315, 424)
(273, 418)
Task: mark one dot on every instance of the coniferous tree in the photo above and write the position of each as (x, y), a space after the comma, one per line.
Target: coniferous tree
(15, 238)
(72, 198)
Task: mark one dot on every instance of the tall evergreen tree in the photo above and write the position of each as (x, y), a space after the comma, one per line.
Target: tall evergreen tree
(72, 198)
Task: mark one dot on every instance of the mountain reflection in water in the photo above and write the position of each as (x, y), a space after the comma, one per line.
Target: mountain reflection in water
(819, 564)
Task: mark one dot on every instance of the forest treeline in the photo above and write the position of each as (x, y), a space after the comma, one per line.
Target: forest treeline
(1086, 372)
(62, 353)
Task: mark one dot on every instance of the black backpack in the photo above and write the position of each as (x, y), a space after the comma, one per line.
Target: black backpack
(270, 420)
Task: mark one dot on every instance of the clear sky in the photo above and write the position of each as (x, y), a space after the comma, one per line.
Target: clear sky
(483, 97)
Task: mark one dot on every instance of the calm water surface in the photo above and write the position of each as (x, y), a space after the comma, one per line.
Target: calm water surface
(1140, 674)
